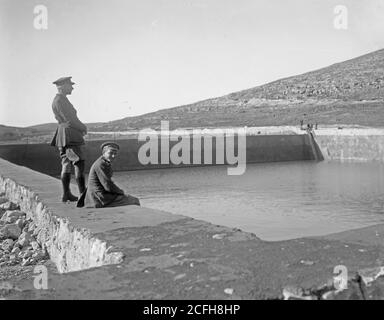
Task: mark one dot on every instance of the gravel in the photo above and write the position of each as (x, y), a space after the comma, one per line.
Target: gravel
(18, 245)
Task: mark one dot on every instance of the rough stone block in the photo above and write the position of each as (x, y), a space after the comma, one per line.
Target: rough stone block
(9, 206)
(7, 245)
(11, 231)
(25, 239)
(14, 213)
(20, 223)
(376, 290)
(353, 292)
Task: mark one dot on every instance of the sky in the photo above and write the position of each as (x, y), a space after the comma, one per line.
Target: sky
(133, 57)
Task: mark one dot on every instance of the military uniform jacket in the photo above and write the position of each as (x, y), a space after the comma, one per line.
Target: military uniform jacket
(70, 130)
(101, 189)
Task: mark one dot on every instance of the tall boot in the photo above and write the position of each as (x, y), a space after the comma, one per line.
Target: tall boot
(67, 195)
(81, 184)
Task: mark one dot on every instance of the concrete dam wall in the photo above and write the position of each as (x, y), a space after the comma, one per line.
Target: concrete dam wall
(259, 148)
(351, 144)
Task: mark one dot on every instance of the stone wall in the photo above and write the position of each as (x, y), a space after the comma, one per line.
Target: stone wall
(259, 148)
(351, 145)
(70, 248)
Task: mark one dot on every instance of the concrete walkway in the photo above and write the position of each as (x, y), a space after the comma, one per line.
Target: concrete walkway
(169, 256)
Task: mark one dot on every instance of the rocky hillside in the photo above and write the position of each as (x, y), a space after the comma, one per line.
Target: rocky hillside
(30, 134)
(361, 78)
(345, 93)
(350, 92)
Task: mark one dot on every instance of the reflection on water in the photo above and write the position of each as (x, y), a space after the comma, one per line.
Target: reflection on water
(275, 201)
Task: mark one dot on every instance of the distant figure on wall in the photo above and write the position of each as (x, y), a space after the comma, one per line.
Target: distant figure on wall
(101, 190)
(69, 138)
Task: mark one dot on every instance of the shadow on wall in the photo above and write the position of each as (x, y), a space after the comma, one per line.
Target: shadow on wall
(316, 151)
(269, 148)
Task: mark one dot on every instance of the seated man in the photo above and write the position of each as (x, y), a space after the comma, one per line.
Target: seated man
(102, 191)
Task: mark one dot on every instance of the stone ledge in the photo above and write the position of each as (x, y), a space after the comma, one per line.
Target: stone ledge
(69, 247)
(174, 257)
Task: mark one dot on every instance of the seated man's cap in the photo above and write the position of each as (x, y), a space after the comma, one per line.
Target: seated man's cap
(110, 144)
(63, 80)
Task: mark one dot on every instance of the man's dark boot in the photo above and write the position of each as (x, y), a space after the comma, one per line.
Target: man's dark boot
(67, 195)
(81, 184)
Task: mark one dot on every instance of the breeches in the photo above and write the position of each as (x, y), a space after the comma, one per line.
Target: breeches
(72, 156)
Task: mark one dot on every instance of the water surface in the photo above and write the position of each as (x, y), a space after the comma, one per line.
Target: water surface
(276, 201)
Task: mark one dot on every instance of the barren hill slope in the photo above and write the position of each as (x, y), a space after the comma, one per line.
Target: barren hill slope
(350, 92)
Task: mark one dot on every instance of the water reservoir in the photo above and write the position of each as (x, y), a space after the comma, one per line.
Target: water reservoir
(276, 201)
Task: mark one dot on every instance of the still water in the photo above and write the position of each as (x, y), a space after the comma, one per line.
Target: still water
(276, 201)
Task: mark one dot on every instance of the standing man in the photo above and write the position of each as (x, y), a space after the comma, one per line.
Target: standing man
(102, 191)
(68, 138)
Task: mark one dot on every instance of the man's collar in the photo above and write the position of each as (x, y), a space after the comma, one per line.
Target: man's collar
(105, 160)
